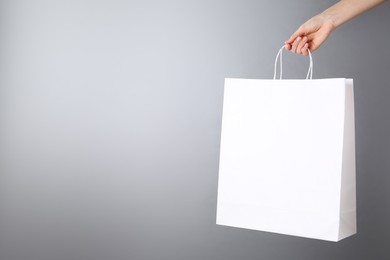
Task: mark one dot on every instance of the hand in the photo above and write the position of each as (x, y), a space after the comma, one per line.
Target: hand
(310, 35)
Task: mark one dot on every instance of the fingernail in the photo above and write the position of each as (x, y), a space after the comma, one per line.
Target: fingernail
(298, 38)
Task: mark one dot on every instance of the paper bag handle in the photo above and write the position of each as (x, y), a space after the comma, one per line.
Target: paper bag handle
(279, 55)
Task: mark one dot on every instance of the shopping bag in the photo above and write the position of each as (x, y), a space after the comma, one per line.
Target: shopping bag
(287, 156)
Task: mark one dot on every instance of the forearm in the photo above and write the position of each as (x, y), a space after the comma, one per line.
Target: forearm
(345, 10)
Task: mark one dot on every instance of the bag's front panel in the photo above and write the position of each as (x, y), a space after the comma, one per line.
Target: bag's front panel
(281, 156)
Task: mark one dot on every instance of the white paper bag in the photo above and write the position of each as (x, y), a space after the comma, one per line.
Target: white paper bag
(287, 157)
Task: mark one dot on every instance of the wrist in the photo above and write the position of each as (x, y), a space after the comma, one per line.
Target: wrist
(330, 19)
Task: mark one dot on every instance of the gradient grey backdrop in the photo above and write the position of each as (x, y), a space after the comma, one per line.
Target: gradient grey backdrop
(110, 115)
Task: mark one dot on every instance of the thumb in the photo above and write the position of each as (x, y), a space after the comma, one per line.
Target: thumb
(297, 33)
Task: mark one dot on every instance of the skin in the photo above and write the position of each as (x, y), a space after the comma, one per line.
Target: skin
(315, 31)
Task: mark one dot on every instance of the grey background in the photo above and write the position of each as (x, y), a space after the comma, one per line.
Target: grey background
(110, 118)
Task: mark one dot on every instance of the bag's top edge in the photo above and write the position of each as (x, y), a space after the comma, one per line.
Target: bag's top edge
(292, 79)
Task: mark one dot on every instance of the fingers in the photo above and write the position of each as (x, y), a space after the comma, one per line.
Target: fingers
(305, 49)
(295, 44)
(291, 40)
(299, 46)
